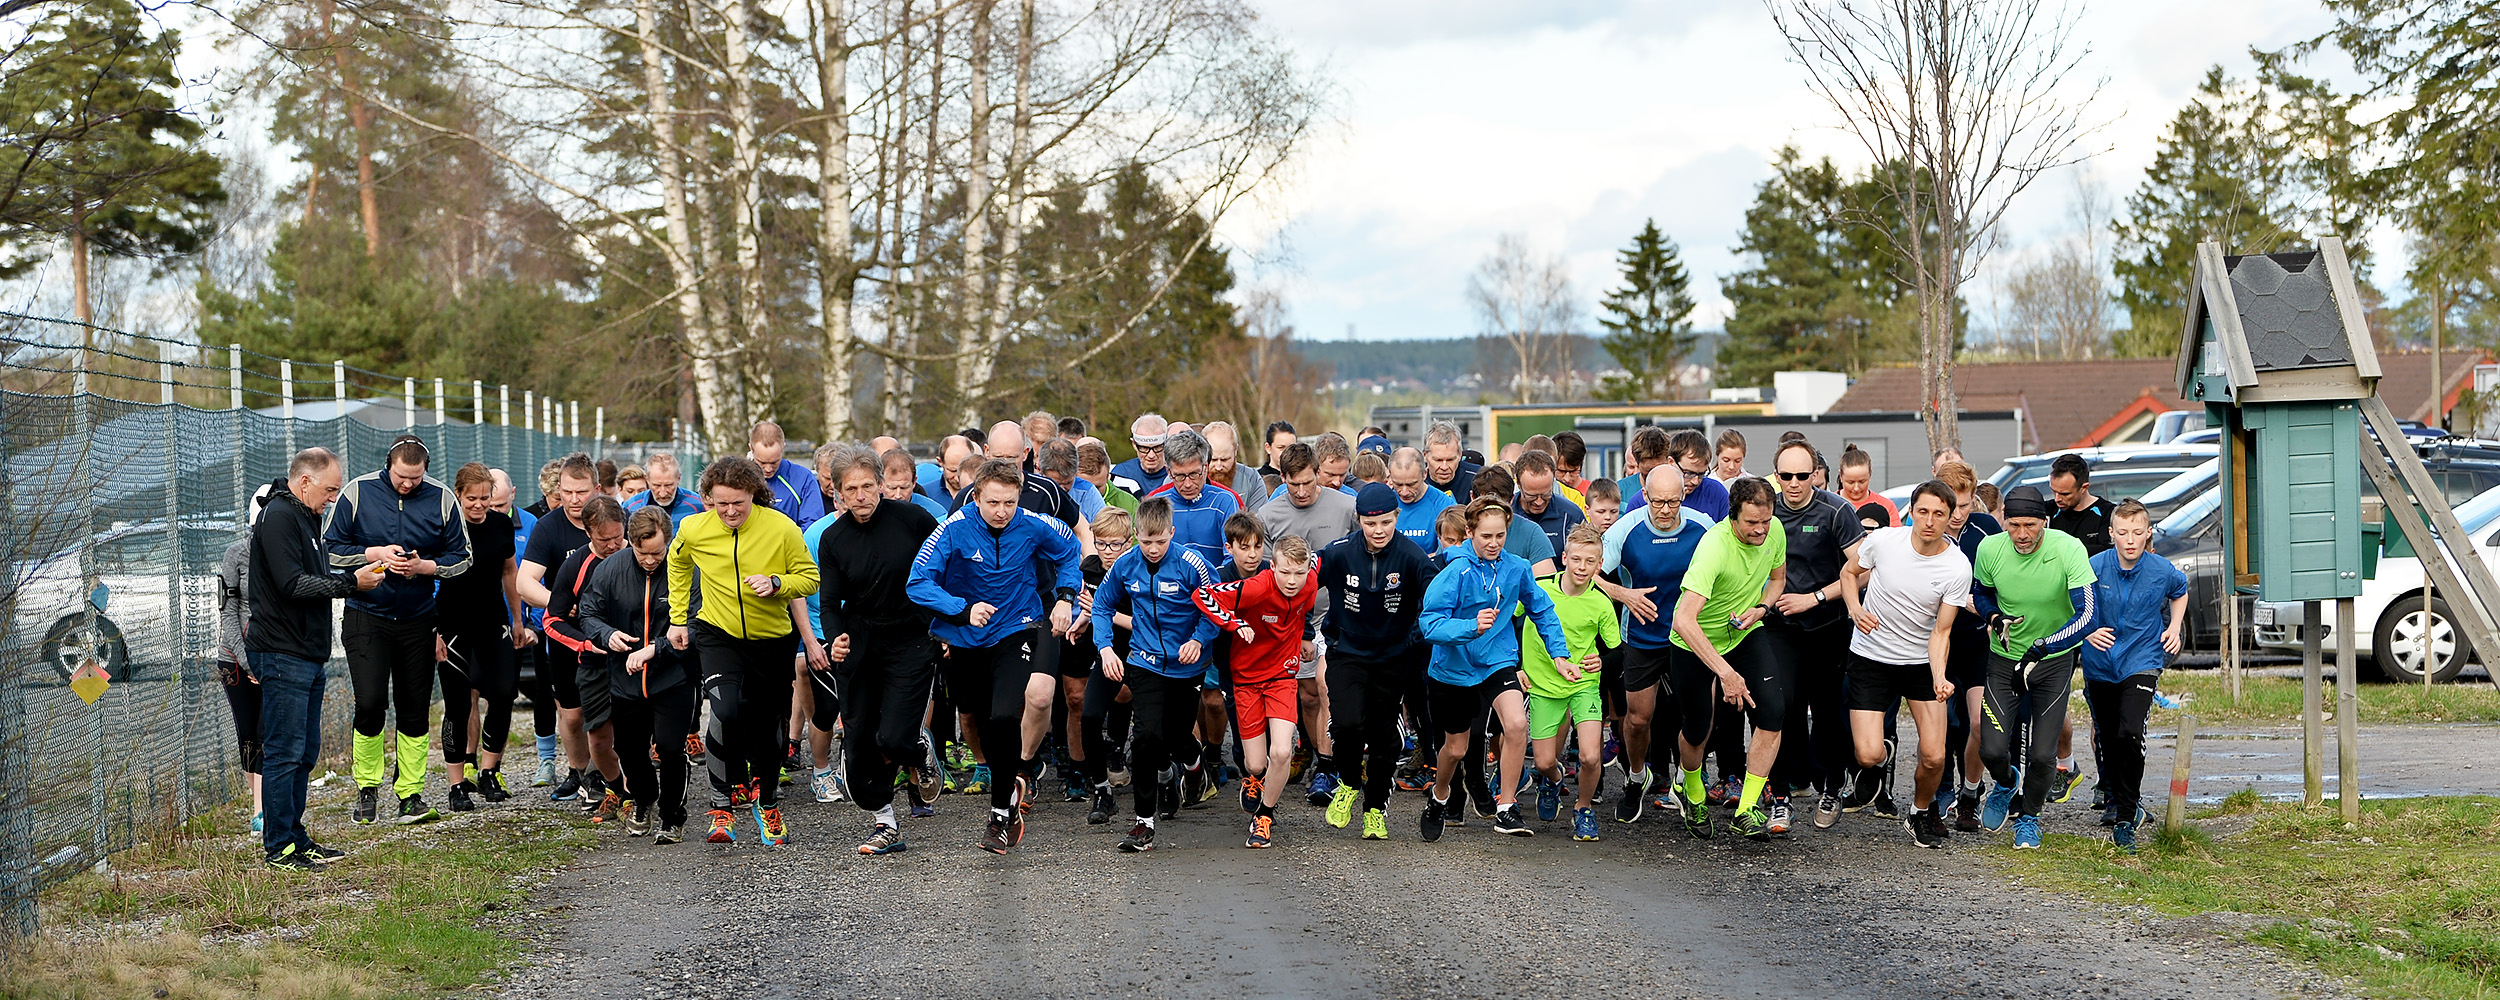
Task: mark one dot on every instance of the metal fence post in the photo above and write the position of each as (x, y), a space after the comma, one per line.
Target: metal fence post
(503, 403)
(438, 403)
(410, 386)
(599, 425)
(234, 369)
(286, 400)
(477, 402)
(338, 385)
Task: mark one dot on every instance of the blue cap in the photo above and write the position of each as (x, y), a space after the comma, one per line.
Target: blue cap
(1375, 498)
(1376, 445)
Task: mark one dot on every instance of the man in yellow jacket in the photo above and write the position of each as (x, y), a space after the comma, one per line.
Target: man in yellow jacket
(751, 562)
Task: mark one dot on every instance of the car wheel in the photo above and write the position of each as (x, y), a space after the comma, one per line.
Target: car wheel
(79, 639)
(2398, 646)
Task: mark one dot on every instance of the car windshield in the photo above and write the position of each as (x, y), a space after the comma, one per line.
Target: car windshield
(2186, 518)
(2184, 484)
(2476, 514)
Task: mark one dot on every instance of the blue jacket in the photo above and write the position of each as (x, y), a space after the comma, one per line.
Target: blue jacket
(1376, 595)
(1199, 524)
(679, 507)
(964, 563)
(2134, 603)
(1415, 520)
(1137, 479)
(1469, 584)
(1160, 598)
(428, 522)
(795, 492)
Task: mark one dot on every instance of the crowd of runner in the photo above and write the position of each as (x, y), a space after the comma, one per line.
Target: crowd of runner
(1018, 617)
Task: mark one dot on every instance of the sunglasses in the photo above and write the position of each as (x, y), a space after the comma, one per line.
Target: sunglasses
(1795, 477)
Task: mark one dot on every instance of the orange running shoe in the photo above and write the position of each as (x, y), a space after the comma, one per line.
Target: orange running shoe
(1262, 832)
(724, 828)
(1251, 786)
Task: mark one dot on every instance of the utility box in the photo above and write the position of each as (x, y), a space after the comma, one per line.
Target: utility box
(2277, 347)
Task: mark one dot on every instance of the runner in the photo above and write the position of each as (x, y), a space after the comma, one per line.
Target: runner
(1093, 464)
(410, 523)
(1857, 477)
(481, 610)
(2077, 512)
(1738, 571)
(1335, 460)
(1224, 466)
(2034, 585)
(1968, 667)
(1419, 505)
(2143, 605)
(664, 492)
(1475, 659)
(1730, 464)
(624, 615)
(1650, 555)
(896, 483)
(1152, 585)
(1571, 452)
(1105, 723)
(1379, 577)
(1319, 516)
(289, 583)
(1691, 452)
(1915, 578)
(550, 540)
(604, 519)
(750, 562)
(242, 686)
(1540, 498)
(983, 574)
(884, 660)
(1564, 688)
(792, 488)
(1822, 535)
(1446, 463)
(1199, 508)
(1145, 473)
(1279, 436)
(1269, 618)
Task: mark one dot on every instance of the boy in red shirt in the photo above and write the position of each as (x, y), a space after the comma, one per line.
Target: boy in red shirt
(1269, 616)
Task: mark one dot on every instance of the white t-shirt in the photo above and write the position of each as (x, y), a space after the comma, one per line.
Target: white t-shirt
(1903, 588)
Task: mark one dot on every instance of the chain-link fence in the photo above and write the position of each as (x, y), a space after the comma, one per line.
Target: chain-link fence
(113, 515)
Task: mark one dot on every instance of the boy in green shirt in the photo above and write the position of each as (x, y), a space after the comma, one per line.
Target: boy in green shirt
(1554, 693)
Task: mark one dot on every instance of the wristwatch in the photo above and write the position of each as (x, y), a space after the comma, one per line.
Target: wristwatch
(776, 583)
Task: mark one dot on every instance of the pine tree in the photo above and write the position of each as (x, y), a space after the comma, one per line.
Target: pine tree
(1819, 293)
(1648, 320)
(2221, 174)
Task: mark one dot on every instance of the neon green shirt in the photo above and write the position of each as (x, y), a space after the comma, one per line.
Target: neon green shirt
(2033, 586)
(1729, 575)
(1586, 621)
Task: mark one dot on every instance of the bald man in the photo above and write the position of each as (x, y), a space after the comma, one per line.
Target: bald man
(793, 486)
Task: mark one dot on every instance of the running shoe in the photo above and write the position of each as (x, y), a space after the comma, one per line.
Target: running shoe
(1301, 763)
(1926, 827)
(1262, 832)
(694, 749)
(741, 794)
(1779, 817)
(2026, 833)
(413, 810)
(1750, 823)
(1885, 806)
(790, 758)
(928, 780)
(958, 756)
(547, 772)
(1486, 804)
(2000, 801)
(2062, 784)
(1140, 839)
(1509, 821)
(490, 785)
(1432, 821)
(1726, 791)
(1628, 807)
(368, 806)
(1324, 787)
(608, 806)
(980, 780)
(1252, 786)
(1696, 815)
(638, 822)
(1015, 827)
(1078, 790)
(769, 830)
(1195, 786)
(1170, 797)
(1023, 796)
(291, 860)
(461, 801)
(1548, 800)
(670, 833)
(256, 823)
(1826, 811)
(1613, 750)
(321, 855)
(1417, 778)
(1528, 778)
(1103, 805)
(1584, 824)
(823, 784)
(1375, 824)
(1966, 811)
(569, 788)
(2123, 836)
(1115, 768)
(922, 810)
(994, 836)
(1341, 806)
(2100, 796)
(884, 840)
(724, 828)
(1658, 796)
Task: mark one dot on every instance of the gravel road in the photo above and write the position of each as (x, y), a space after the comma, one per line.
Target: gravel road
(1853, 911)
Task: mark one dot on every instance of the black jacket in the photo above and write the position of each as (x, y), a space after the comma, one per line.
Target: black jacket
(863, 571)
(621, 597)
(1376, 595)
(290, 585)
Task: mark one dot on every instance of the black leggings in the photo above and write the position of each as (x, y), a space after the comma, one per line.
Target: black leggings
(1363, 699)
(243, 696)
(541, 693)
(882, 687)
(1698, 696)
(642, 723)
(1105, 721)
(2118, 711)
(391, 664)
(1166, 709)
(747, 684)
(1002, 670)
(1822, 750)
(480, 661)
(2046, 684)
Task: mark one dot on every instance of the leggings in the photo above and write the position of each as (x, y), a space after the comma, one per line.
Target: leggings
(1818, 710)
(642, 723)
(746, 682)
(480, 661)
(390, 662)
(1002, 671)
(2046, 684)
(1166, 709)
(2118, 711)
(243, 696)
(541, 693)
(1363, 699)
(882, 688)
(1102, 710)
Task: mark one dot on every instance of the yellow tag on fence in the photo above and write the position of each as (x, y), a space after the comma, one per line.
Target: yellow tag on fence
(89, 682)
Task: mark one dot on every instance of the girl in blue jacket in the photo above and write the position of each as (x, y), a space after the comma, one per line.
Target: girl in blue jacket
(1475, 658)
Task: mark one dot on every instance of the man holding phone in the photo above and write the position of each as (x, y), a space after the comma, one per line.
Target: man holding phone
(290, 584)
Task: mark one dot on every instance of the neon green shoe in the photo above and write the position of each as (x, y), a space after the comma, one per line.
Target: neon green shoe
(1341, 806)
(1375, 825)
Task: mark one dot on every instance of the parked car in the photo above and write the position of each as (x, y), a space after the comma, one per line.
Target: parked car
(2392, 630)
(2191, 538)
(2117, 473)
(136, 581)
(2174, 493)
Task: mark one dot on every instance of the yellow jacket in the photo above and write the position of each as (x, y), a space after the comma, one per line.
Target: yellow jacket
(768, 543)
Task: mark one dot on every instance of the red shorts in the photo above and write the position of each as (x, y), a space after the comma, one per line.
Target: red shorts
(1255, 702)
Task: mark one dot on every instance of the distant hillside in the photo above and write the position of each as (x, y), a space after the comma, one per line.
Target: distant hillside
(1442, 360)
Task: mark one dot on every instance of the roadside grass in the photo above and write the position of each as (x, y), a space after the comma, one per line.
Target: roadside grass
(2275, 701)
(2405, 903)
(412, 911)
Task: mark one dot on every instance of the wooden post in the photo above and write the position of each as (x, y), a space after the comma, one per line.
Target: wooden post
(2347, 716)
(2312, 723)
(2230, 639)
(2176, 816)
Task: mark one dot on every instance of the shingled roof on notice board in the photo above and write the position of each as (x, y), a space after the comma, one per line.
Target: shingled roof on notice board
(2287, 311)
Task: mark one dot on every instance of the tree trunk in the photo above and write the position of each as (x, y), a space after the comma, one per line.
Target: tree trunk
(702, 343)
(746, 211)
(360, 118)
(1019, 155)
(972, 377)
(838, 272)
(84, 305)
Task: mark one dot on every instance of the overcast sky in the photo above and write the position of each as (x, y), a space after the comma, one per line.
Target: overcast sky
(1571, 121)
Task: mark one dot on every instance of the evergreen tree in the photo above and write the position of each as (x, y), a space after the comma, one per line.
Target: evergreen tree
(2222, 173)
(104, 160)
(1819, 292)
(1648, 321)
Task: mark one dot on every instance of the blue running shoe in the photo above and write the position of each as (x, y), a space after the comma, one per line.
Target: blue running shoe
(1584, 824)
(1548, 799)
(2123, 836)
(2026, 833)
(980, 780)
(1323, 788)
(1992, 812)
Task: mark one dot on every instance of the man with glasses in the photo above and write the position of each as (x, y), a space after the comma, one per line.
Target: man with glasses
(1648, 556)
(1539, 497)
(1147, 472)
(1690, 451)
(663, 475)
(1811, 626)
(1198, 513)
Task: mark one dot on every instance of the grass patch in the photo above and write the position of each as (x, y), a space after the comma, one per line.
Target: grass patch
(2405, 904)
(411, 912)
(2275, 701)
